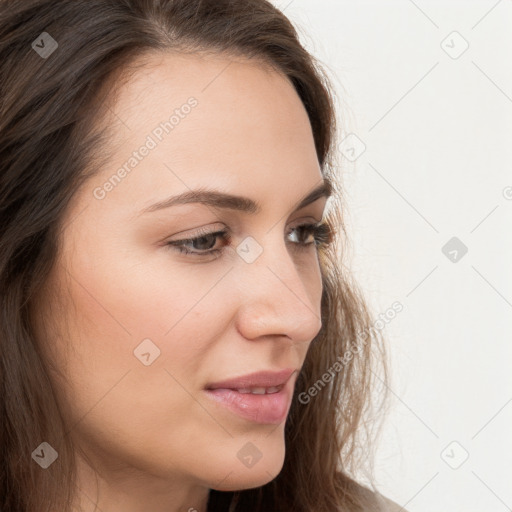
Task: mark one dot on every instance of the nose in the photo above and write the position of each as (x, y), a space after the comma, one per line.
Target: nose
(279, 296)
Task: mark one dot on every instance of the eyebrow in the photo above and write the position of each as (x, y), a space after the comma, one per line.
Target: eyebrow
(218, 199)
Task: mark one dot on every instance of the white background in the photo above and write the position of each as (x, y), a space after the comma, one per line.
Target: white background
(437, 164)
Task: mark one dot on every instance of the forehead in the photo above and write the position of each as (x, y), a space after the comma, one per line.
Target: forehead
(157, 83)
(247, 130)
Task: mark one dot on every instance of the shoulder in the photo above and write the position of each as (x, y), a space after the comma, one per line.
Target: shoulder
(390, 506)
(366, 499)
(377, 502)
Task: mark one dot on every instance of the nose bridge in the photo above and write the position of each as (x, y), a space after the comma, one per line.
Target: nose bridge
(278, 299)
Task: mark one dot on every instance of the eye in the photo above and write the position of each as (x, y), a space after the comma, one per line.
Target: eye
(201, 245)
(304, 235)
(320, 234)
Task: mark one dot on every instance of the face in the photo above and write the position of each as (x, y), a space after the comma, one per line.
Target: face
(149, 327)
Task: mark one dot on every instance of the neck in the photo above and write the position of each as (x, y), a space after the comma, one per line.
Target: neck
(130, 490)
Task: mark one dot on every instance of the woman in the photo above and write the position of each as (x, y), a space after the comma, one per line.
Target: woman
(177, 332)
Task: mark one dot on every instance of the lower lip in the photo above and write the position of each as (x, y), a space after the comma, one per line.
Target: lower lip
(269, 409)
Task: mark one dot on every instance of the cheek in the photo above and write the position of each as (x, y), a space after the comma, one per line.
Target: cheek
(309, 269)
(118, 310)
(117, 404)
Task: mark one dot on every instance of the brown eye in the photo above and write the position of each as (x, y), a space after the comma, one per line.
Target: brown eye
(321, 233)
(201, 245)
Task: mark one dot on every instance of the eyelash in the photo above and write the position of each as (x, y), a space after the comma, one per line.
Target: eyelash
(322, 233)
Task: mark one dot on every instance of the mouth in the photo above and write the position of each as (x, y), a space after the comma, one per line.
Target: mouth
(263, 397)
(266, 380)
(260, 391)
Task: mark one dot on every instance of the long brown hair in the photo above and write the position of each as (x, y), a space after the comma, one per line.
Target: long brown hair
(49, 146)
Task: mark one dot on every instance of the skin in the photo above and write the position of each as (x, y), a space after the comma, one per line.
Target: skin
(148, 433)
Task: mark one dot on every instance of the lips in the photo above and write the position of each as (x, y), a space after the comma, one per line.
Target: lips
(260, 391)
(261, 397)
(269, 381)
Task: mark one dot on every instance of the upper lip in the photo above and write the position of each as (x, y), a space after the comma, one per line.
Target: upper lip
(261, 379)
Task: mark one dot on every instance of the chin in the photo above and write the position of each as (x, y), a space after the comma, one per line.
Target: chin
(241, 482)
(240, 477)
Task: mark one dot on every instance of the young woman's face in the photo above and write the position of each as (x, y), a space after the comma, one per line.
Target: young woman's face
(148, 327)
